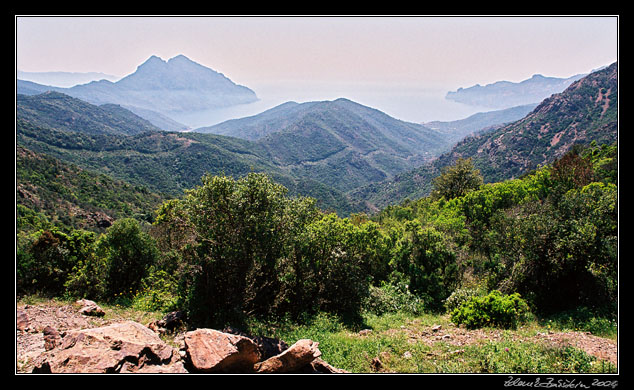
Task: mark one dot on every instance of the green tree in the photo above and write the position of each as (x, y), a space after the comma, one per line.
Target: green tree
(335, 265)
(45, 264)
(457, 180)
(232, 236)
(128, 253)
(425, 259)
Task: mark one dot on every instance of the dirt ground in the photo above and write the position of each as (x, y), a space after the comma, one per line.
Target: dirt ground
(601, 348)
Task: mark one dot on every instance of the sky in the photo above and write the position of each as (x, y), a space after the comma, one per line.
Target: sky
(324, 56)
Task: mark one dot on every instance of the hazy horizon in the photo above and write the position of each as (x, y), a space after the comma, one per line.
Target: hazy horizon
(401, 65)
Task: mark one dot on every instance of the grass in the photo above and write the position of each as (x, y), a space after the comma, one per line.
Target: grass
(390, 342)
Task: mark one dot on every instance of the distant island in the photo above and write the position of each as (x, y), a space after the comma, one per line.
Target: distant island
(506, 94)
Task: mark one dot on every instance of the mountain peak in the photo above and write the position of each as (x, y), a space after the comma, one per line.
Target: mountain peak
(179, 58)
(153, 59)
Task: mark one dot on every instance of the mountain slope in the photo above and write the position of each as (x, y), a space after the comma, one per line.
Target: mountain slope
(91, 137)
(50, 190)
(58, 111)
(340, 143)
(482, 121)
(586, 111)
(64, 79)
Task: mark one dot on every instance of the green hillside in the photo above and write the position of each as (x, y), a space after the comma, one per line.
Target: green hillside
(53, 193)
(61, 112)
(339, 143)
(586, 111)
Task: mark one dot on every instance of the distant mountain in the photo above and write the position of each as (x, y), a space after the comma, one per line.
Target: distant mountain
(506, 94)
(481, 121)
(62, 112)
(586, 111)
(64, 79)
(173, 86)
(340, 143)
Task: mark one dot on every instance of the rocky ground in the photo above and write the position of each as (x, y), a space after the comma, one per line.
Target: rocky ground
(76, 338)
(43, 328)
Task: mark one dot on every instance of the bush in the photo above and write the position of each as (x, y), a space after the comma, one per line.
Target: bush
(494, 309)
(235, 239)
(44, 265)
(460, 296)
(391, 298)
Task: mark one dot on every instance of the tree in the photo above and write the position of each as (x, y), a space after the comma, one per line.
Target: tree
(232, 236)
(128, 252)
(428, 264)
(45, 264)
(457, 180)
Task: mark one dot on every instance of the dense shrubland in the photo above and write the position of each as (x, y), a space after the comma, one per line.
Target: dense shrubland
(231, 250)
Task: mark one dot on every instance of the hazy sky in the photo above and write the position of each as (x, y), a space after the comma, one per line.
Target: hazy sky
(326, 52)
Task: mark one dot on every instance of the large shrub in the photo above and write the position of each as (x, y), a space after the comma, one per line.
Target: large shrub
(45, 263)
(128, 253)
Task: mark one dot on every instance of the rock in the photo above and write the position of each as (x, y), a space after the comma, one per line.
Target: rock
(268, 347)
(436, 328)
(210, 350)
(51, 338)
(22, 321)
(90, 308)
(376, 364)
(321, 367)
(167, 323)
(126, 346)
(296, 357)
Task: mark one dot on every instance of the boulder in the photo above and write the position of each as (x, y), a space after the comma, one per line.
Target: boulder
(210, 350)
(121, 347)
(21, 321)
(267, 346)
(52, 338)
(90, 308)
(168, 323)
(295, 358)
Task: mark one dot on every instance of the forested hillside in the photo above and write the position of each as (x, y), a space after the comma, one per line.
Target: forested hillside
(339, 143)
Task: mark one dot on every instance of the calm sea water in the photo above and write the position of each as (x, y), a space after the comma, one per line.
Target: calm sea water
(410, 104)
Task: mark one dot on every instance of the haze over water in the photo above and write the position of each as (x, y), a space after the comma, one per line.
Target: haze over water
(410, 104)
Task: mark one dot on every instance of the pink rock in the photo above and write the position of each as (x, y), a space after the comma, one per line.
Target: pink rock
(214, 351)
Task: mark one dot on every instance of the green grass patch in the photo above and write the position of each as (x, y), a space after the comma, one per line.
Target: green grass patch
(386, 346)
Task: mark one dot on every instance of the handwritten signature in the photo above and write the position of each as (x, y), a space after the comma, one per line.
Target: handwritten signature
(550, 383)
